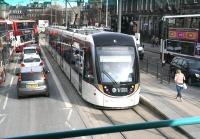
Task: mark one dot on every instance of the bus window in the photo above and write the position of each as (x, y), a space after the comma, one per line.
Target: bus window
(195, 23)
(20, 25)
(179, 23)
(2, 28)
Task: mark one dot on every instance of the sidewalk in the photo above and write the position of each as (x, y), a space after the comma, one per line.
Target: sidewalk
(161, 97)
(149, 47)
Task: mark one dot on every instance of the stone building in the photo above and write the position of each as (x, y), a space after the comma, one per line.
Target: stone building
(147, 13)
(4, 9)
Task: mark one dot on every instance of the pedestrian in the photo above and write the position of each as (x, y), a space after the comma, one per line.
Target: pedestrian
(156, 41)
(153, 41)
(179, 80)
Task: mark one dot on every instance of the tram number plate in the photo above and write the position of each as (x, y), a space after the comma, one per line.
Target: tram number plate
(122, 90)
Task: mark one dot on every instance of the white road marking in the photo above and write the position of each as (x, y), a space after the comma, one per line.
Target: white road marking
(11, 82)
(69, 115)
(5, 102)
(58, 84)
(2, 118)
(67, 103)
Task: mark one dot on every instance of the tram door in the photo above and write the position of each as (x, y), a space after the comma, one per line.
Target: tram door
(81, 65)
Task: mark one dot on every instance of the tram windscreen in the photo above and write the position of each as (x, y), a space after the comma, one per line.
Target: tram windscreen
(116, 64)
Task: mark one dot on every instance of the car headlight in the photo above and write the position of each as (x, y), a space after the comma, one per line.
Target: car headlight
(197, 75)
(140, 49)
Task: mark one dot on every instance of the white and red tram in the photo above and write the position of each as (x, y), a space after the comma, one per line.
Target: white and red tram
(102, 66)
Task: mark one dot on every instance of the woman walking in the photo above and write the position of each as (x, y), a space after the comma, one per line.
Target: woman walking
(179, 80)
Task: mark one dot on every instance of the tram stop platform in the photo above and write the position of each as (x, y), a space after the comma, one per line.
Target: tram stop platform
(161, 98)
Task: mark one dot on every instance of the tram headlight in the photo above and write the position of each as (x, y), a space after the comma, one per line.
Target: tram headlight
(136, 87)
(114, 90)
(100, 86)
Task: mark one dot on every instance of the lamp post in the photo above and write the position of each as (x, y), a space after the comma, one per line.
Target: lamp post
(119, 15)
(51, 12)
(66, 14)
(106, 13)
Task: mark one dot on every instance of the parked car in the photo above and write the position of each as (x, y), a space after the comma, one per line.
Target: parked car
(32, 60)
(189, 66)
(32, 81)
(141, 51)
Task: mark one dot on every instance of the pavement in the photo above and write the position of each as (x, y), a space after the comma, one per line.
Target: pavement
(149, 47)
(161, 98)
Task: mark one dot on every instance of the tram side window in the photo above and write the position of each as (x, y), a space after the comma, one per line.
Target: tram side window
(58, 47)
(75, 59)
(67, 53)
(88, 67)
(50, 39)
(66, 46)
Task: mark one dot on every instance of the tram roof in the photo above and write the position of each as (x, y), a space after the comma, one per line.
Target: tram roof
(112, 38)
(181, 16)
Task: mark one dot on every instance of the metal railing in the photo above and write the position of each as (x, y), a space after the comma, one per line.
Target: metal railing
(155, 67)
(113, 129)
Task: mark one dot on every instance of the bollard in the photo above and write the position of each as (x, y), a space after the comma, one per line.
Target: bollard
(169, 76)
(157, 71)
(147, 65)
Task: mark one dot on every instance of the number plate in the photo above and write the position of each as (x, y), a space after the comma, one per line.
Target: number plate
(123, 90)
(31, 85)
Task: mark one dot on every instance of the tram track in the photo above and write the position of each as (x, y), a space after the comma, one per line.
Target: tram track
(140, 114)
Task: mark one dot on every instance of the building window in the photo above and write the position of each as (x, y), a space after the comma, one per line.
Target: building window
(195, 1)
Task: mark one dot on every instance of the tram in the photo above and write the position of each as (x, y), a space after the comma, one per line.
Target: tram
(102, 66)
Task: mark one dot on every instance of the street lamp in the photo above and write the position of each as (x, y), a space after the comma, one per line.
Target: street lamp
(66, 14)
(51, 12)
(106, 13)
(119, 15)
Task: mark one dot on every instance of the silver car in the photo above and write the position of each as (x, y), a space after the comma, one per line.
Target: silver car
(32, 81)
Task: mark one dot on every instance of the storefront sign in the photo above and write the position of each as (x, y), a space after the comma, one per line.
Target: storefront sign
(183, 34)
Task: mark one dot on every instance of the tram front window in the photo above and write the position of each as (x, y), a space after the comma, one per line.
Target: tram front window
(116, 64)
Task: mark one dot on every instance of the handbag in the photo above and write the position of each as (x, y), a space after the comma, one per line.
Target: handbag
(184, 86)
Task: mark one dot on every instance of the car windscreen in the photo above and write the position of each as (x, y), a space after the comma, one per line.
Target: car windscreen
(29, 51)
(194, 64)
(32, 76)
(29, 60)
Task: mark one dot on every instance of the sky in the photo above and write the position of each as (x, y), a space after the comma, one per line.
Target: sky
(25, 2)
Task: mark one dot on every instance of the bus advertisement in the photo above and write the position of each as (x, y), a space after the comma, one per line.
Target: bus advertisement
(180, 36)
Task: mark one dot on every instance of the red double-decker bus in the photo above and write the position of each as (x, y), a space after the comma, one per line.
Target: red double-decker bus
(24, 32)
(3, 44)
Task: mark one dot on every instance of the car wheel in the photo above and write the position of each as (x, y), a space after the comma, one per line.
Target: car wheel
(18, 95)
(189, 81)
(46, 94)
